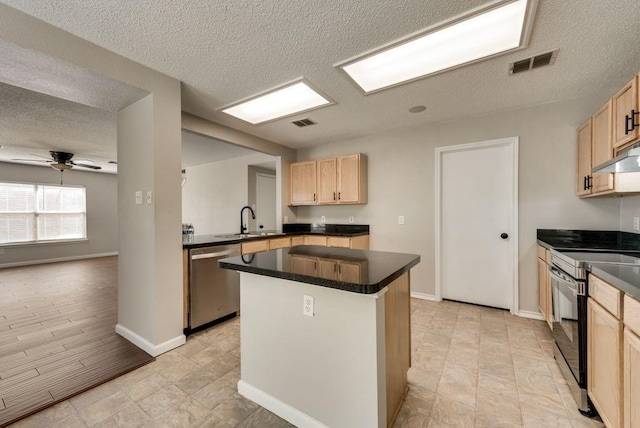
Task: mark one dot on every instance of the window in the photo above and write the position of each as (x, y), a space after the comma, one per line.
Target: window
(36, 213)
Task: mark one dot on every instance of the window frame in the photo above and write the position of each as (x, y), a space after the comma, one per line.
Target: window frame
(36, 213)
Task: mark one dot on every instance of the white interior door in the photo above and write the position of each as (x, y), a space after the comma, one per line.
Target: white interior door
(266, 201)
(477, 223)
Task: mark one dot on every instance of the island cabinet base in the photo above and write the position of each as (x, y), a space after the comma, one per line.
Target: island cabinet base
(345, 366)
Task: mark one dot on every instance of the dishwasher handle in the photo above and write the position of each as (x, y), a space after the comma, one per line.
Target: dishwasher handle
(212, 255)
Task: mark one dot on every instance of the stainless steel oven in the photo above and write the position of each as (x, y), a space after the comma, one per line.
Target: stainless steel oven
(569, 317)
(569, 292)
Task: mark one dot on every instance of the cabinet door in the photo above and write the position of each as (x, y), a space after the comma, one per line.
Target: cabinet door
(315, 240)
(631, 379)
(303, 265)
(302, 183)
(338, 241)
(584, 158)
(349, 179)
(327, 184)
(604, 363)
(623, 102)
(328, 269)
(297, 240)
(350, 272)
(542, 288)
(602, 150)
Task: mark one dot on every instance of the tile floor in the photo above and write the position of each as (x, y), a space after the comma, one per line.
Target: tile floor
(472, 366)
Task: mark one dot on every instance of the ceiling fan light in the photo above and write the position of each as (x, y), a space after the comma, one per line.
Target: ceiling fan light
(61, 166)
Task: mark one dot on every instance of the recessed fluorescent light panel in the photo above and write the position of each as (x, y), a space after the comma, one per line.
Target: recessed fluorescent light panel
(285, 101)
(501, 27)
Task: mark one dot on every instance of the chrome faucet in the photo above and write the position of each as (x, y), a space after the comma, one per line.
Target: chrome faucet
(253, 216)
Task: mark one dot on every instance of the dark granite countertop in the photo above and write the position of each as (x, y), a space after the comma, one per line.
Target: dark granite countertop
(288, 229)
(375, 269)
(625, 278)
(605, 240)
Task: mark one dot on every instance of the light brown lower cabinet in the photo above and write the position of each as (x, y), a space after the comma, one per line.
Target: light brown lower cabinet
(397, 344)
(604, 363)
(544, 286)
(631, 379)
(257, 246)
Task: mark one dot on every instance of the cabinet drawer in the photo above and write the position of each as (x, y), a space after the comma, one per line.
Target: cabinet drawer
(338, 241)
(297, 240)
(607, 295)
(315, 240)
(255, 246)
(279, 243)
(632, 314)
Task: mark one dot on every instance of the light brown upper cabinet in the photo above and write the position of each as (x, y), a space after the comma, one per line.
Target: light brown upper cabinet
(327, 181)
(602, 149)
(584, 159)
(625, 113)
(339, 180)
(302, 183)
(352, 179)
(601, 138)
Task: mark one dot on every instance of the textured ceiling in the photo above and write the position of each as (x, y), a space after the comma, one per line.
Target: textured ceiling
(227, 50)
(32, 124)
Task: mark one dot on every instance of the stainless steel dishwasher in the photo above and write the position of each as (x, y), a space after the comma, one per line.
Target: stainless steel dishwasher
(213, 292)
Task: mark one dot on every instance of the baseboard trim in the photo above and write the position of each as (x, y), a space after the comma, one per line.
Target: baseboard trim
(423, 296)
(285, 411)
(531, 315)
(148, 347)
(60, 259)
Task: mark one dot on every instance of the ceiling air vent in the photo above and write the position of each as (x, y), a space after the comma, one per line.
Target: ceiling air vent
(526, 64)
(303, 122)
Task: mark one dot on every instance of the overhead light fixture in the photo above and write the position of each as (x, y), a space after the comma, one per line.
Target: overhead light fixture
(283, 101)
(500, 27)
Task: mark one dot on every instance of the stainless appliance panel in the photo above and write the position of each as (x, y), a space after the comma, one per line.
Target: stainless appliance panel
(213, 292)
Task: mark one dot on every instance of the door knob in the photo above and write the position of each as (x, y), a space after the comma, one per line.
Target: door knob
(504, 235)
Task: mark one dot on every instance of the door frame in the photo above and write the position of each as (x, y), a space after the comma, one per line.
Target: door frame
(269, 175)
(512, 143)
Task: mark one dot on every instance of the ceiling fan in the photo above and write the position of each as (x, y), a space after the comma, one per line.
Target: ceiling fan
(62, 161)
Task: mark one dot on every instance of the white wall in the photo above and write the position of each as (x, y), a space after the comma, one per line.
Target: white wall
(629, 208)
(401, 182)
(102, 214)
(215, 193)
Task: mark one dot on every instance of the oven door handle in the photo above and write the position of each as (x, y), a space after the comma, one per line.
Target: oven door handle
(577, 288)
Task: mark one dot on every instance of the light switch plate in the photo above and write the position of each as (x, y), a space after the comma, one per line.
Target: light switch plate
(636, 223)
(149, 197)
(351, 219)
(138, 197)
(401, 219)
(322, 219)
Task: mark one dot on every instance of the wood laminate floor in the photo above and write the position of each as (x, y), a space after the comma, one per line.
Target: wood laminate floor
(57, 334)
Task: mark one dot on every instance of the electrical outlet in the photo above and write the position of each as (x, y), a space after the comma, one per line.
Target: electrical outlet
(322, 219)
(149, 197)
(351, 220)
(138, 197)
(636, 223)
(307, 306)
(1, 251)
(401, 219)
(286, 219)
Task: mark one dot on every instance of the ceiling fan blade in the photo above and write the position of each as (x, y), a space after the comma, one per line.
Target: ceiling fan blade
(84, 165)
(33, 160)
(40, 156)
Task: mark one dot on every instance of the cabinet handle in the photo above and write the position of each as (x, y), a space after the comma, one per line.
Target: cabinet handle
(314, 197)
(584, 183)
(630, 122)
(334, 196)
(338, 195)
(589, 183)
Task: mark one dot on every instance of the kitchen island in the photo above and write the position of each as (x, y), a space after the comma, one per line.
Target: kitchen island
(325, 334)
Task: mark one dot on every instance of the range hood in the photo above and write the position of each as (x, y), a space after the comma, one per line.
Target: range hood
(627, 161)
